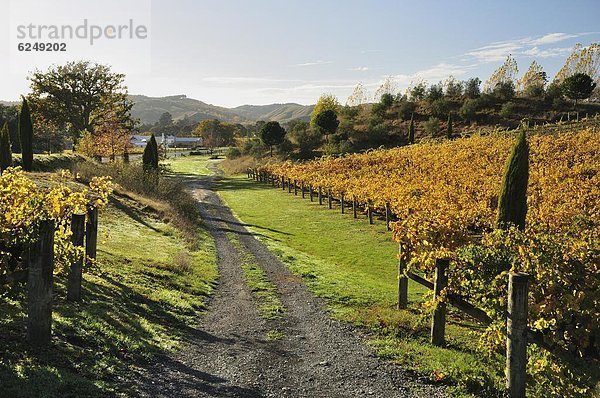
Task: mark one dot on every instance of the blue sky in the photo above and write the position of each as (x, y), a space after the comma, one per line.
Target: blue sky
(236, 52)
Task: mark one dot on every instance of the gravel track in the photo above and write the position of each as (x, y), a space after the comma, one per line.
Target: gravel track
(230, 355)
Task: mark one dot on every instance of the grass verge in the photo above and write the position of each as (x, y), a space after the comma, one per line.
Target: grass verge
(269, 305)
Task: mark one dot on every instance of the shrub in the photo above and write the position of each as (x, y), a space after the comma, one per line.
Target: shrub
(508, 109)
(472, 89)
(233, 153)
(439, 108)
(254, 147)
(432, 126)
(468, 110)
(435, 92)
(504, 91)
(406, 109)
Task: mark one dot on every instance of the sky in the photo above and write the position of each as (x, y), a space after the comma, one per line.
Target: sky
(231, 53)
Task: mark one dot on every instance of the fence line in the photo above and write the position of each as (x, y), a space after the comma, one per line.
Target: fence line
(518, 334)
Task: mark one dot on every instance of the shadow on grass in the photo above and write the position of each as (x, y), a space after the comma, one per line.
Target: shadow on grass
(95, 342)
(134, 214)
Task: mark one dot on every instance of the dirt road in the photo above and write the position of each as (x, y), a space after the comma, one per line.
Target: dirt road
(231, 355)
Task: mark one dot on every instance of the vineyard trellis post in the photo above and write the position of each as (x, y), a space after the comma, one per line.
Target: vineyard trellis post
(438, 321)
(295, 188)
(370, 212)
(302, 188)
(282, 183)
(320, 196)
(310, 192)
(402, 279)
(289, 183)
(342, 202)
(40, 258)
(329, 199)
(387, 216)
(516, 335)
(76, 266)
(354, 207)
(91, 234)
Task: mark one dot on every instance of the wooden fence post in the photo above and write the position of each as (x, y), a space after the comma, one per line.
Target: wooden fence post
(320, 196)
(354, 207)
(329, 202)
(516, 335)
(302, 188)
(387, 217)
(438, 321)
(91, 234)
(76, 267)
(40, 259)
(402, 279)
(295, 188)
(370, 212)
(310, 192)
(342, 202)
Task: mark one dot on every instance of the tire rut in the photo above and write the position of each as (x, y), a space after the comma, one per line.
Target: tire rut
(231, 356)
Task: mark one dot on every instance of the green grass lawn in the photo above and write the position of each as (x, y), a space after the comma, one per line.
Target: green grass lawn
(189, 165)
(145, 293)
(353, 265)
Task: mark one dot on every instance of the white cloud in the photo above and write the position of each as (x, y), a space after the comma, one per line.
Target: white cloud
(360, 68)
(551, 38)
(526, 46)
(438, 72)
(314, 63)
(494, 52)
(547, 53)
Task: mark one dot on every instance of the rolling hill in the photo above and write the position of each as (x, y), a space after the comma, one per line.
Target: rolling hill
(149, 109)
(276, 112)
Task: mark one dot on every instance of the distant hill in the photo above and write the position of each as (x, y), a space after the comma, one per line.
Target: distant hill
(275, 112)
(149, 110)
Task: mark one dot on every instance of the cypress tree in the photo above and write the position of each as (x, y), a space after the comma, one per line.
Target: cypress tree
(449, 132)
(5, 152)
(155, 155)
(411, 130)
(148, 156)
(512, 204)
(26, 136)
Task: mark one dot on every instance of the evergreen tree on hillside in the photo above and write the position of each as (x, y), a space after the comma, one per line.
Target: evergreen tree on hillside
(449, 132)
(411, 130)
(5, 152)
(512, 204)
(26, 136)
